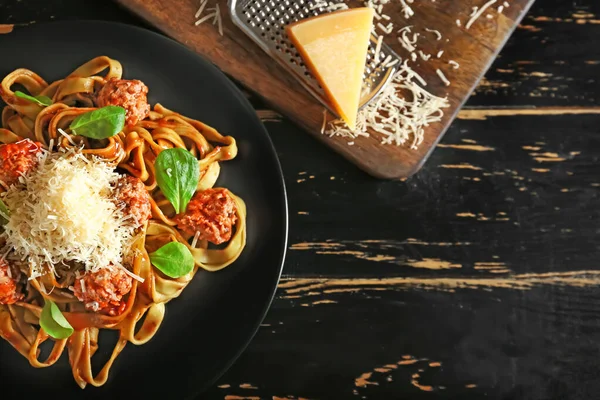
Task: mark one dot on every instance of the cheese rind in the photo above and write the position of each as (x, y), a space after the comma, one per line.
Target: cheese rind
(334, 47)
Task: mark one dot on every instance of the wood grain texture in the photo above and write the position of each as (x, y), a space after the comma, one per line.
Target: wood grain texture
(474, 49)
(477, 278)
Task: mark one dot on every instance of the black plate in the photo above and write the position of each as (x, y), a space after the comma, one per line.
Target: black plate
(210, 324)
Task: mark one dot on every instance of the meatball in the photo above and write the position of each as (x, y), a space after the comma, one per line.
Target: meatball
(131, 194)
(129, 94)
(102, 291)
(17, 159)
(9, 292)
(212, 213)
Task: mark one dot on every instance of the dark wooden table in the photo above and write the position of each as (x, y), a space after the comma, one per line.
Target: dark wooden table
(476, 278)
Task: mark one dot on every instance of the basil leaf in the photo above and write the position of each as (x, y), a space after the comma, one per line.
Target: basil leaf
(174, 259)
(41, 100)
(177, 175)
(53, 322)
(102, 123)
(4, 213)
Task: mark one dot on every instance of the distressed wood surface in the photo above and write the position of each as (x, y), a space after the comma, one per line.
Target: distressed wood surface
(474, 48)
(475, 278)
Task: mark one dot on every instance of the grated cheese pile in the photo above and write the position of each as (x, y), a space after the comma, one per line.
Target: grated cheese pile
(63, 212)
(402, 111)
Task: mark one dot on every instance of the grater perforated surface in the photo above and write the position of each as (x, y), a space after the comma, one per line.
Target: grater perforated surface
(264, 22)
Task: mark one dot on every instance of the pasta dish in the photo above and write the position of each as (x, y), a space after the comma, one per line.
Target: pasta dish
(108, 207)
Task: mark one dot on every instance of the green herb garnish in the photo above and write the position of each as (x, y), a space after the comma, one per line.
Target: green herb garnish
(177, 174)
(54, 322)
(174, 259)
(41, 100)
(102, 123)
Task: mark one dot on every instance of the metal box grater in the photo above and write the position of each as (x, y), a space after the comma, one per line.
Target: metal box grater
(264, 22)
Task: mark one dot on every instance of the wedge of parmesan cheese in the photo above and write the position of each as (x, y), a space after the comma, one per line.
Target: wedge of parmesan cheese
(334, 48)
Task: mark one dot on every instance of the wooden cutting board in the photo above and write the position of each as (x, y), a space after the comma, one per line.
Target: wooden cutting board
(474, 49)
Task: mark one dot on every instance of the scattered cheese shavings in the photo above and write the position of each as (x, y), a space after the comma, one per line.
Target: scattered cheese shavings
(391, 64)
(378, 48)
(400, 113)
(336, 6)
(318, 4)
(405, 40)
(478, 14)
(203, 4)
(437, 33)
(324, 125)
(454, 64)
(205, 18)
(406, 9)
(424, 57)
(214, 13)
(219, 21)
(442, 77)
(386, 29)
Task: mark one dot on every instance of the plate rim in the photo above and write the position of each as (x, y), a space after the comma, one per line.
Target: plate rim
(283, 200)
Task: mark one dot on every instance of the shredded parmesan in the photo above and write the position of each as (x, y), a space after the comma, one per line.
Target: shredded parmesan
(378, 48)
(131, 274)
(63, 212)
(442, 77)
(400, 113)
(406, 9)
(205, 18)
(437, 33)
(336, 6)
(391, 64)
(405, 40)
(195, 240)
(478, 14)
(424, 56)
(386, 29)
(201, 8)
(314, 6)
(66, 136)
(219, 21)
(454, 64)
(324, 125)
(214, 13)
